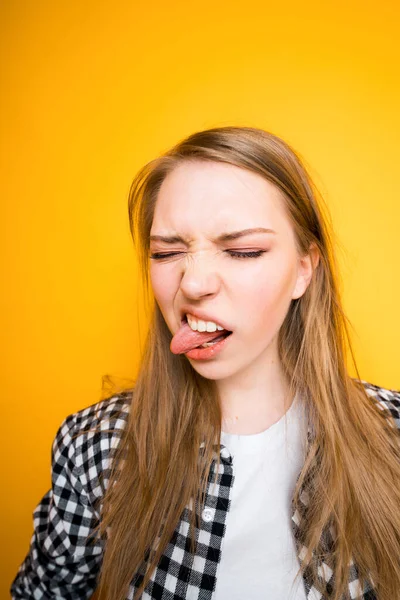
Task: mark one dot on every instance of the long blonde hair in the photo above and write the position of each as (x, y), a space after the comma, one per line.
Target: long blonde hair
(352, 468)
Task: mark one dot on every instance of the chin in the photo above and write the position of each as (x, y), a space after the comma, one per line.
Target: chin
(212, 370)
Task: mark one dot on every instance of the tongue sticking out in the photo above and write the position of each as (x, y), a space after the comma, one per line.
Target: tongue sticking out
(186, 339)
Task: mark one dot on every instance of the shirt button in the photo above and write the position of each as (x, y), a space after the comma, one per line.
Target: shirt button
(207, 514)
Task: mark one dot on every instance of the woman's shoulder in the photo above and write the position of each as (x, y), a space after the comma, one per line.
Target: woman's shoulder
(104, 416)
(385, 398)
(106, 419)
(86, 440)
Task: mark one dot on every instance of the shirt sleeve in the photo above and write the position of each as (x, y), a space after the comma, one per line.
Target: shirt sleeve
(64, 557)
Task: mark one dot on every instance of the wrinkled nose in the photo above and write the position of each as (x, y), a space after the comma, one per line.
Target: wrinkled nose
(199, 276)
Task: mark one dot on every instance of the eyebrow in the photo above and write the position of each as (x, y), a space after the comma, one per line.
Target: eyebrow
(224, 237)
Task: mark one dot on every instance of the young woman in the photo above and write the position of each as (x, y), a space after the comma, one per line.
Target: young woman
(245, 462)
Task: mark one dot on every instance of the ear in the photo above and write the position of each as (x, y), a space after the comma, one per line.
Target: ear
(306, 266)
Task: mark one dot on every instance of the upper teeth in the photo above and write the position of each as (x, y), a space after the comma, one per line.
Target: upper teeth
(198, 325)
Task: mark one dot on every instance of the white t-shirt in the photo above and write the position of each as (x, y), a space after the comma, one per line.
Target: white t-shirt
(258, 556)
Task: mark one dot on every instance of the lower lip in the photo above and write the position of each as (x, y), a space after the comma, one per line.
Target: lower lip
(209, 352)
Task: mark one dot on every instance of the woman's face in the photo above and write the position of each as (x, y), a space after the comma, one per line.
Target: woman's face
(199, 202)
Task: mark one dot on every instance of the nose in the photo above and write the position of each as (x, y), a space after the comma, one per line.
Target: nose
(199, 276)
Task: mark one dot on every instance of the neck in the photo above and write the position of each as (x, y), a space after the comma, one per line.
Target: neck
(253, 400)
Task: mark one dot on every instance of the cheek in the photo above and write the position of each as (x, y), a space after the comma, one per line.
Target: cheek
(268, 298)
(161, 285)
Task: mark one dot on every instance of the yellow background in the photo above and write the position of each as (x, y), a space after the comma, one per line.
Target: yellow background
(90, 91)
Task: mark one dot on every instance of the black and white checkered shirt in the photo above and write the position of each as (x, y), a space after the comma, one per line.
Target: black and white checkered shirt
(63, 563)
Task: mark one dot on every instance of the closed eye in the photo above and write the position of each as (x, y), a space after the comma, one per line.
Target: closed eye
(251, 254)
(233, 253)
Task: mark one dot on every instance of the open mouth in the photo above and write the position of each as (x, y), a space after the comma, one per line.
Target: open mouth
(224, 332)
(220, 337)
(185, 320)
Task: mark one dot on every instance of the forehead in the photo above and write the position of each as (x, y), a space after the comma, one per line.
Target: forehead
(207, 196)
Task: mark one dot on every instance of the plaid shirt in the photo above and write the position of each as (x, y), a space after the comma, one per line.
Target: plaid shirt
(62, 563)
